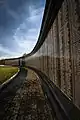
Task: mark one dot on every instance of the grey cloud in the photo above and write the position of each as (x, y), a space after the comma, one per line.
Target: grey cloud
(15, 21)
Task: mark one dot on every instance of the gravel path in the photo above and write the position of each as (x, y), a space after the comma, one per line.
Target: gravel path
(29, 102)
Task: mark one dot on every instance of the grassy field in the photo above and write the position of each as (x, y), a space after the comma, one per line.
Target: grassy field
(6, 72)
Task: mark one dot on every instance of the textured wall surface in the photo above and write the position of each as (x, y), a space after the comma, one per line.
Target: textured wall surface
(59, 56)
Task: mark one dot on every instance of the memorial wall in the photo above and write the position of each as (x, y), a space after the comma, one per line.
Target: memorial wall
(59, 55)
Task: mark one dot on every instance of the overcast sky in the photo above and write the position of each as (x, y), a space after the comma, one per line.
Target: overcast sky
(20, 22)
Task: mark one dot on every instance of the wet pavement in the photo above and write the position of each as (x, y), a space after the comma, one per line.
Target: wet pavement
(28, 103)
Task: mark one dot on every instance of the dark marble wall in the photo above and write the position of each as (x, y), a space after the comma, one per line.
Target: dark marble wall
(59, 56)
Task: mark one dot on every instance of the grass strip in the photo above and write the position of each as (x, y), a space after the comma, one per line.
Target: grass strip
(6, 72)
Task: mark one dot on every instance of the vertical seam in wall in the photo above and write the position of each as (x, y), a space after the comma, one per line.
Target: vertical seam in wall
(58, 53)
(72, 58)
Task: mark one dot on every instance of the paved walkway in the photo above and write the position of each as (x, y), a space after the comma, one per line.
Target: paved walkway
(29, 102)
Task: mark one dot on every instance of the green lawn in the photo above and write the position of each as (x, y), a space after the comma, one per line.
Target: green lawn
(6, 72)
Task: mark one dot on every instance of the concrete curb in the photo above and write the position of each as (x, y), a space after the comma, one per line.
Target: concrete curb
(3, 85)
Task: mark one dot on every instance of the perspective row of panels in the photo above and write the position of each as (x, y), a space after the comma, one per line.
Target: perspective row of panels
(59, 56)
